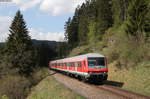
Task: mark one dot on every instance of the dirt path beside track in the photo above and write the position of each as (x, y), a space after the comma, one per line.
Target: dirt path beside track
(86, 90)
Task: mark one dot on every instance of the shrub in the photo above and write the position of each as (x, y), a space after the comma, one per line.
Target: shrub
(14, 87)
(38, 75)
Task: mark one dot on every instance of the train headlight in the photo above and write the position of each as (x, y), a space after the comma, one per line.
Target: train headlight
(105, 72)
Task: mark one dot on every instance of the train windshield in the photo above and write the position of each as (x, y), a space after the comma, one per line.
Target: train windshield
(96, 62)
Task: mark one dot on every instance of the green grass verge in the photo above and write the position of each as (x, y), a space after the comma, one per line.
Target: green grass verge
(49, 88)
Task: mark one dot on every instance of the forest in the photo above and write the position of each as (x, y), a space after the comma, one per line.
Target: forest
(119, 29)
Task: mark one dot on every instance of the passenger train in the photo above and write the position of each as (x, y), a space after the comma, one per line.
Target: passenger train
(91, 66)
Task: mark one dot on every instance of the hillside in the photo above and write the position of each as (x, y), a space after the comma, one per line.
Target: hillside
(118, 29)
(134, 79)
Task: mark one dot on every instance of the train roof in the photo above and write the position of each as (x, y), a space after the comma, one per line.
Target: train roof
(88, 55)
(80, 57)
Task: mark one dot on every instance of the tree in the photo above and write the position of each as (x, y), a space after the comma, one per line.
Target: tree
(119, 8)
(71, 30)
(19, 49)
(104, 18)
(137, 19)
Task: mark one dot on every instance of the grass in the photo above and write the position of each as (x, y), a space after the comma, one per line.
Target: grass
(49, 88)
(136, 80)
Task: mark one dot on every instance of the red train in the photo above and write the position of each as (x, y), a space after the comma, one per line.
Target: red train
(91, 66)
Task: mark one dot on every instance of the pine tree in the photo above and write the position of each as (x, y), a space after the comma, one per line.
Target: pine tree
(71, 30)
(19, 48)
(119, 9)
(104, 18)
(137, 19)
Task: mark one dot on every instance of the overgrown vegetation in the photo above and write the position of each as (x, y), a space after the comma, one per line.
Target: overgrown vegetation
(136, 80)
(120, 29)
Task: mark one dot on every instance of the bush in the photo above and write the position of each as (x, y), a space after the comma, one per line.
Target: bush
(124, 50)
(38, 75)
(14, 87)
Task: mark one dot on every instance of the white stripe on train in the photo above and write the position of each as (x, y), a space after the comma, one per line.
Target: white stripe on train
(73, 72)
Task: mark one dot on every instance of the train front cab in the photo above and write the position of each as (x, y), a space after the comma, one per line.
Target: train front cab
(97, 68)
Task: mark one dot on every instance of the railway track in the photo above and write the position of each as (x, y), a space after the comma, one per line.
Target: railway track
(92, 91)
(119, 92)
(125, 93)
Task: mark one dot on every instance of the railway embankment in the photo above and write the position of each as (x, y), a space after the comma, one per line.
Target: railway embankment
(49, 88)
(59, 86)
(100, 91)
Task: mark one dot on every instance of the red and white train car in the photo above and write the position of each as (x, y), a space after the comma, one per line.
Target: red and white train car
(88, 66)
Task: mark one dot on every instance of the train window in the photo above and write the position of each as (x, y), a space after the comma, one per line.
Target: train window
(68, 64)
(76, 64)
(96, 61)
(84, 62)
(64, 64)
(79, 64)
(72, 64)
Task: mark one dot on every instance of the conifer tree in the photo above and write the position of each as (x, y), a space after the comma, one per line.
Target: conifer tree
(137, 19)
(119, 9)
(71, 30)
(104, 18)
(19, 48)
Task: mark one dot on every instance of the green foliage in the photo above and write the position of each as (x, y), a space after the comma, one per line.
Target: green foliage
(136, 21)
(93, 12)
(71, 31)
(104, 16)
(44, 53)
(19, 50)
(92, 33)
(119, 9)
(124, 50)
(38, 75)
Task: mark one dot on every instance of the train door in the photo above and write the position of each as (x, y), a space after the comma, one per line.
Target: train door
(67, 66)
(76, 66)
(84, 66)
